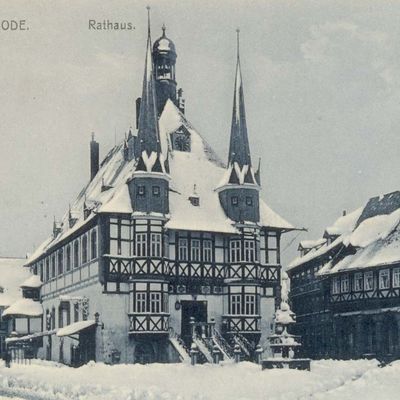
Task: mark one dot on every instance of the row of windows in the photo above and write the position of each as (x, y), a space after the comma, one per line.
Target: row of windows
(246, 253)
(142, 190)
(74, 254)
(235, 200)
(150, 302)
(365, 281)
(199, 250)
(64, 316)
(243, 304)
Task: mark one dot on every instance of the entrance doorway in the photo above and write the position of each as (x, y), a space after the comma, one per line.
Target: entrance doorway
(195, 309)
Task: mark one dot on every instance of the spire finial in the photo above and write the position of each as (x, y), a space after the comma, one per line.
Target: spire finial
(237, 36)
(163, 29)
(148, 20)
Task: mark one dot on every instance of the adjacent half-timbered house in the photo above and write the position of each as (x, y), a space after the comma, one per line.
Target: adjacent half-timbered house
(346, 292)
(165, 245)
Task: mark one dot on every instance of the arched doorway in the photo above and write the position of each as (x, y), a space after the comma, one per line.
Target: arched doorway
(144, 353)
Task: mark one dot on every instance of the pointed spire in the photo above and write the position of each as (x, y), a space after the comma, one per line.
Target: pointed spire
(163, 30)
(148, 134)
(239, 149)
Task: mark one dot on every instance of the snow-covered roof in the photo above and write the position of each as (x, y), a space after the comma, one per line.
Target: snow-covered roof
(24, 308)
(372, 232)
(12, 273)
(310, 244)
(33, 282)
(76, 327)
(201, 167)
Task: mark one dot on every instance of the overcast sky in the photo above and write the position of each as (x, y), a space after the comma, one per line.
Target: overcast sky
(321, 85)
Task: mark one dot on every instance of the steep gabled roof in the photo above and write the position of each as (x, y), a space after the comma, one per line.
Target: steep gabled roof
(201, 167)
(370, 234)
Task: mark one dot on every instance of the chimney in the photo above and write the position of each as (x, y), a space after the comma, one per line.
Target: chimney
(94, 158)
(138, 101)
(344, 213)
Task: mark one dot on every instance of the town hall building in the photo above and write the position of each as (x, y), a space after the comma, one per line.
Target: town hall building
(165, 246)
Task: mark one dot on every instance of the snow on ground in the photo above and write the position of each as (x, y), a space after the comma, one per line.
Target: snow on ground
(47, 380)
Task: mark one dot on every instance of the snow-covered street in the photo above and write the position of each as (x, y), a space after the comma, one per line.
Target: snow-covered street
(327, 380)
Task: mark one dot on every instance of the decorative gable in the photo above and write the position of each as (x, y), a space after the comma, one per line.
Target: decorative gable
(181, 140)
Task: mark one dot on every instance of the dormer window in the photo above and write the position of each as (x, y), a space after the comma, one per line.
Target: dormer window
(234, 200)
(141, 190)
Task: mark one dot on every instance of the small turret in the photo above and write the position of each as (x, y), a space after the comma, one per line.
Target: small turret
(149, 186)
(239, 189)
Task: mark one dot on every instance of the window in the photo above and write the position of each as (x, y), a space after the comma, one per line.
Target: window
(94, 244)
(53, 318)
(76, 254)
(207, 250)
(344, 283)
(84, 249)
(249, 201)
(396, 277)
(358, 281)
(249, 250)
(141, 245)
(195, 249)
(140, 304)
(250, 304)
(335, 285)
(68, 259)
(368, 281)
(155, 302)
(41, 271)
(156, 244)
(76, 312)
(236, 304)
(234, 200)
(47, 268)
(53, 266)
(60, 261)
(141, 190)
(156, 190)
(182, 249)
(384, 279)
(235, 250)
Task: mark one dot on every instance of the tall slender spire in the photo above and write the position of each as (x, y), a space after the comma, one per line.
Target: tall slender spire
(239, 149)
(148, 134)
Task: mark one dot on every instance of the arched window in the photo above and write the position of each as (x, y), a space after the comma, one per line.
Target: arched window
(94, 244)
(60, 261)
(84, 249)
(76, 254)
(68, 260)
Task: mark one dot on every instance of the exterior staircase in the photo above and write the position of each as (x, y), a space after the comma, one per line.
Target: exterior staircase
(179, 345)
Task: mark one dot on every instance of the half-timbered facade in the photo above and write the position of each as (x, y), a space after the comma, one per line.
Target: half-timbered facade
(166, 244)
(346, 290)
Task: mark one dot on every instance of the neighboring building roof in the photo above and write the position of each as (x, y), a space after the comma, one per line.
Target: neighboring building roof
(24, 308)
(201, 167)
(310, 244)
(372, 233)
(74, 328)
(32, 282)
(12, 273)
